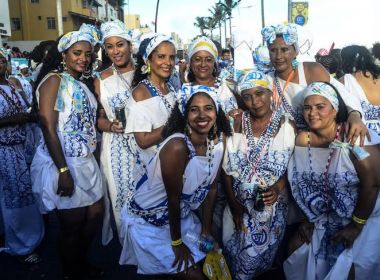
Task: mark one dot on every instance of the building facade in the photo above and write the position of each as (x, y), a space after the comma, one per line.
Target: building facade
(36, 20)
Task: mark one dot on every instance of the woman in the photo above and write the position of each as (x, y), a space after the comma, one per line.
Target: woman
(290, 78)
(153, 96)
(337, 187)
(255, 164)
(179, 179)
(361, 78)
(203, 70)
(21, 221)
(113, 90)
(66, 175)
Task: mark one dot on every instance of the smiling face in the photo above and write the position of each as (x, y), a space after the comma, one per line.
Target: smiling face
(202, 64)
(201, 114)
(162, 60)
(318, 112)
(258, 101)
(281, 55)
(78, 57)
(118, 50)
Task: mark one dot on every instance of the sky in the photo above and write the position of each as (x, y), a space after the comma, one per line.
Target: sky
(343, 22)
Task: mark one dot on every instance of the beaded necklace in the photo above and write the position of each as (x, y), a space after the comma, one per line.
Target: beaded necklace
(122, 78)
(210, 149)
(325, 172)
(153, 88)
(255, 150)
(17, 106)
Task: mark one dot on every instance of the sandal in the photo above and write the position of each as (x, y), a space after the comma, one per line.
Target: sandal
(32, 258)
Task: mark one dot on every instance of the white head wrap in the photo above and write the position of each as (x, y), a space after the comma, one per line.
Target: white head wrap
(115, 28)
(203, 43)
(288, 31)
(23, 66)
(92, 30)
(73, 37)
(325, 90)
(154, 42)
(4, 53)
(187, 90)
(253, 79)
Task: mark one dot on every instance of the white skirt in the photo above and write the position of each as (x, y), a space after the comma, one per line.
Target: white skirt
(149, 247)
(88, 184)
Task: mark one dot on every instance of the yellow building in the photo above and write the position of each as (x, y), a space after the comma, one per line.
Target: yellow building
(133, 22)
(37, 19)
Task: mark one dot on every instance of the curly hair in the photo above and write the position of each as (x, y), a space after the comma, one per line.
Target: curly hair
(177, 121)
(376, 50)
(358, 58)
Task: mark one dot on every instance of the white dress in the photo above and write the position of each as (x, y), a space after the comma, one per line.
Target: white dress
(330, 207)
(145, 227)
(76, 131)
(293, 102)
(149, 114)
(371, 112)
(117, 159)
(252, 251)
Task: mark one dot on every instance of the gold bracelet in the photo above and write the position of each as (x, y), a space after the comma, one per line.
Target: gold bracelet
(63, 169)
(358, 220)
(177, 242)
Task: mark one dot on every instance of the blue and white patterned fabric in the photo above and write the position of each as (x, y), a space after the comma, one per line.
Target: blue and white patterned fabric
(93, 30)
(252, 250)
(202, 43)
(117, 155)
(76, 131)
(371, 112)
(115, 28)
(154, 42)
(324, 90)
(334, 203)
(147, 220)
(222, 94)
(23, 225)
(73, 37)
(184, 95)
(288, 31)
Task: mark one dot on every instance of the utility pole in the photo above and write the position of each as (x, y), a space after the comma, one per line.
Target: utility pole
(59, 17)
(289, 11)
(155, 20)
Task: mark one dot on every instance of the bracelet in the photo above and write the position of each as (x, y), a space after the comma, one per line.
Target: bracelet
(358, 220)
(176, 242)
(355, 111)
(63, 169)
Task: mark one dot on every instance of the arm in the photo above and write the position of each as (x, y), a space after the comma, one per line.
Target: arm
(367, 170)
(102, 122)
(146, 139)
(19, 118)
(49, 118)
(237, 210)
(173, 157)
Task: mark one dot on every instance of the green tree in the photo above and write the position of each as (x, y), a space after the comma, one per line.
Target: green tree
(228, 6)
(217, 13)
(201, 23)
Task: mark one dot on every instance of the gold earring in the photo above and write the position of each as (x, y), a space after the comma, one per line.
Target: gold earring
(64, 67)
(148, 70)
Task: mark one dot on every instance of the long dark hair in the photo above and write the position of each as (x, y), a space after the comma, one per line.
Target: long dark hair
(139, 76)
(177, 122)
(358, 58)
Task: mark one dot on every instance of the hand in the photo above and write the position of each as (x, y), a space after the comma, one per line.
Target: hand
(65, 184)
(270, 196)
(347, 235)
(238, 211)
(356, 128)
(305, 231)
(182, 255)
(116, 127)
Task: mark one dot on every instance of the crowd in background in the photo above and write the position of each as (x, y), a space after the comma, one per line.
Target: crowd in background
(276, 164)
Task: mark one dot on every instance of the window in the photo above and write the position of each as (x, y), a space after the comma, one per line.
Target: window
(34, 1)
(84, 4)
(64, 18)
(51, 22)
(15, 24)
(39, 17)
